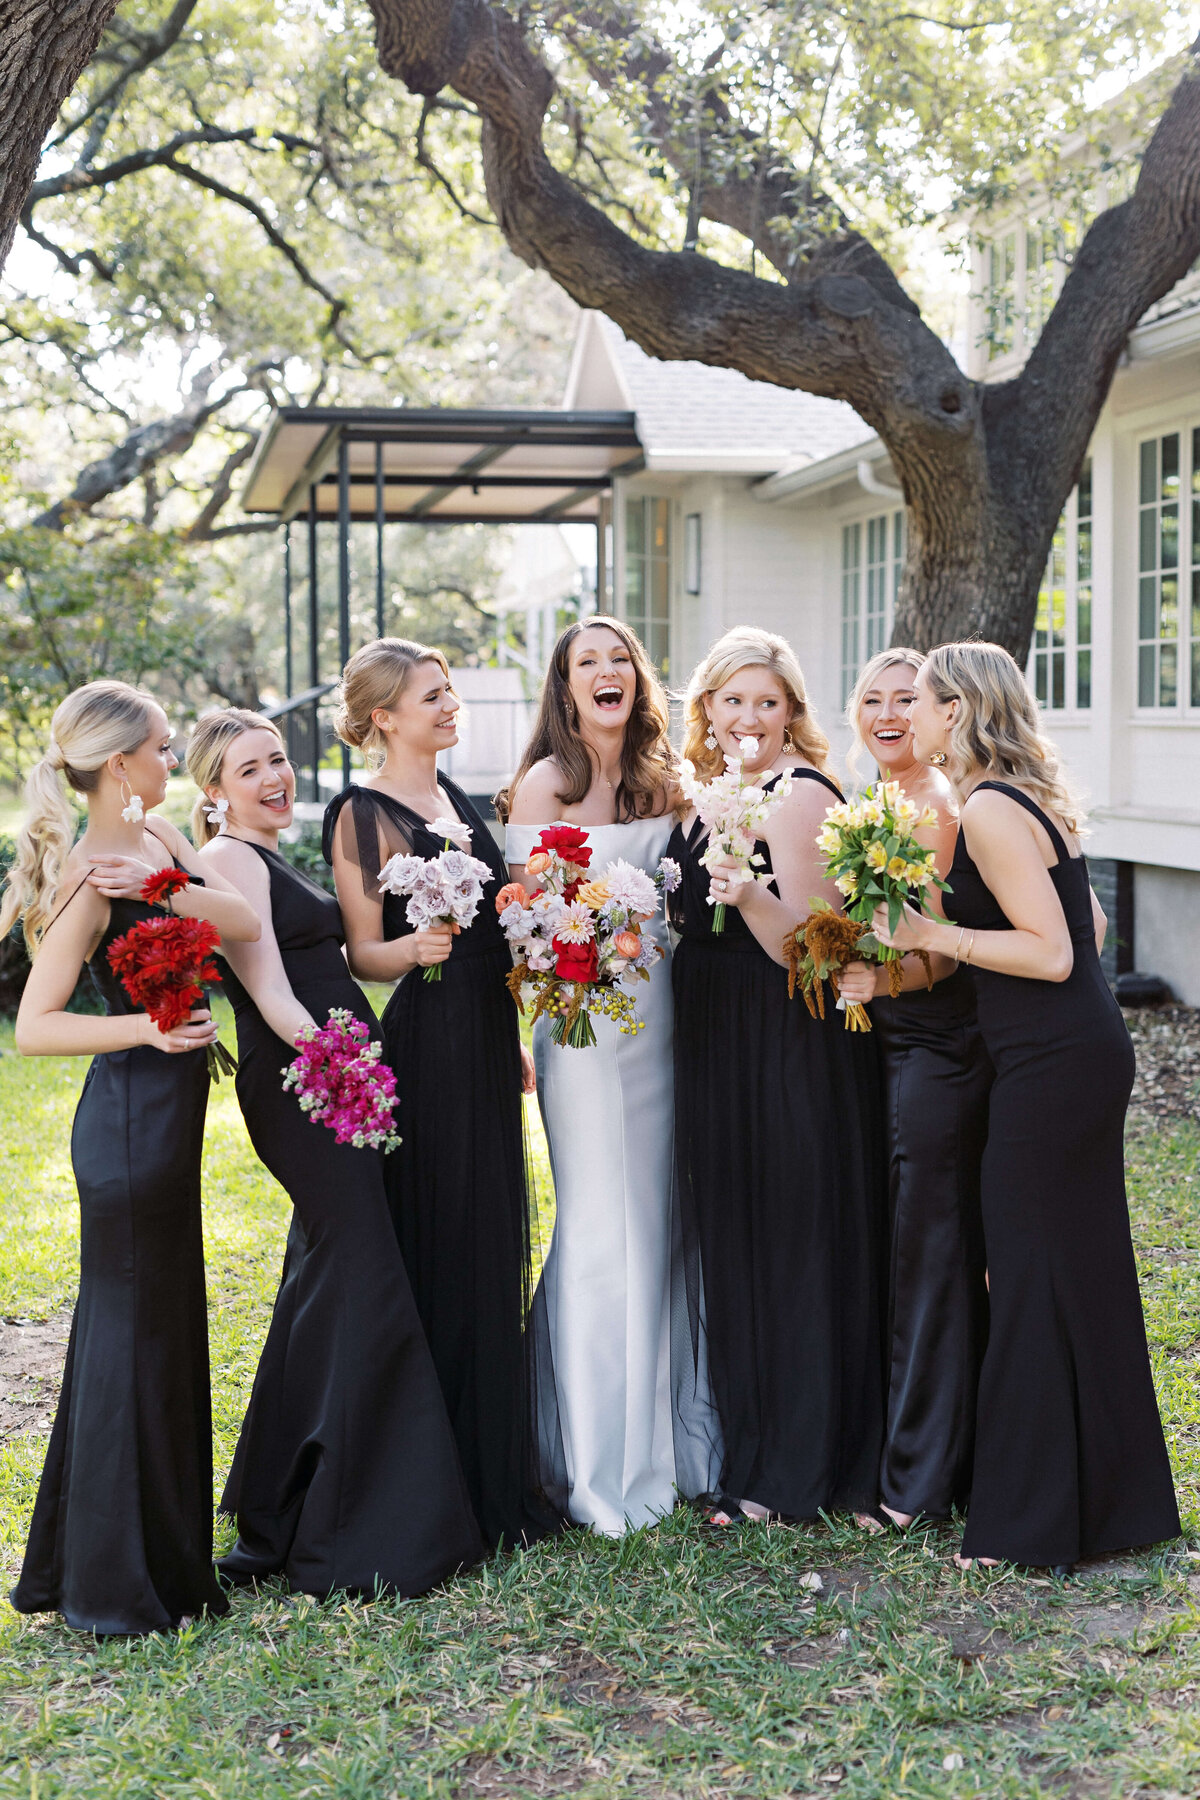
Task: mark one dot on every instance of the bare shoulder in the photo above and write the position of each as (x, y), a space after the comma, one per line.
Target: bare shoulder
(170, 837)
(807, 799)
(538, 800)
(238, 863)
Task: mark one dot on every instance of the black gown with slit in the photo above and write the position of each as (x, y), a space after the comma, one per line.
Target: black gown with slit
(346, 1476)
(783, 1192)
(121, 1537)
(937, 1076)
(1070, 1460)
(457, 1186)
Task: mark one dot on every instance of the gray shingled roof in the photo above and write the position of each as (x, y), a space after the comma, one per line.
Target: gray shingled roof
(689, 406)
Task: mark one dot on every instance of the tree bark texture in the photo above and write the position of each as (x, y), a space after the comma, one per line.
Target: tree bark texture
(44, 44)
(985, 470)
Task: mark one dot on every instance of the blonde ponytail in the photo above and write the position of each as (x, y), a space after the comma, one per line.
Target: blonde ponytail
(103, 719)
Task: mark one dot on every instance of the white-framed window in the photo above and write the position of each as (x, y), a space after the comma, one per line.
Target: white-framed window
(1168, 595)
(647, 604)
(872, 564)
(1060, 661)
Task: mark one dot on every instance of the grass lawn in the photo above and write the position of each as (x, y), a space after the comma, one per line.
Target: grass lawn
(773, 1662)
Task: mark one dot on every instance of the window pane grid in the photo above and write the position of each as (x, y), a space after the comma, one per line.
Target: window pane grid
(648, 576)
(1060, 660)
(1159, 615)
(872, 565)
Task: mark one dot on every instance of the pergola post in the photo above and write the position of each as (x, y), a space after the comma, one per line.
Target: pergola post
(287, 610)
(314, 648)
(343, 479)
(379, 519)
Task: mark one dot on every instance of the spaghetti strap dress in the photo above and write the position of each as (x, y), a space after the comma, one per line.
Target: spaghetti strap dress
(121, 1537)
(1070, 1460)
(937, 1077)
(782, 1181)
(346, 1477)
(457, 1187)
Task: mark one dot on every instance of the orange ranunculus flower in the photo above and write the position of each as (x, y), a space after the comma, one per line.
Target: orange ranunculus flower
(512, 890)
(627, 943)
(594, 894)
(537, 862)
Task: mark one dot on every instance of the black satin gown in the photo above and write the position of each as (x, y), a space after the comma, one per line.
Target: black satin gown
(346, 1476)
(783, 1191)
(457, 1186)
(121, 1537)
(938, 1077)
(1070, 1460)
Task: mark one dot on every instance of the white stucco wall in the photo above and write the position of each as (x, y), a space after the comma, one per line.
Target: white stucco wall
(1166, 928)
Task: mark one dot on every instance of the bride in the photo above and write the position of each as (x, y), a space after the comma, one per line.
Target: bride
(632, 1407)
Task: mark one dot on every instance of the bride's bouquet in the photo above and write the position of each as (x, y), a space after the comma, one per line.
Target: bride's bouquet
(441, 890)
(577, 937)
(734, 810)
(872, 854)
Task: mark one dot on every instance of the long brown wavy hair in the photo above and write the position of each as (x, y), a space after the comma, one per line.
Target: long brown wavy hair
(648, 762)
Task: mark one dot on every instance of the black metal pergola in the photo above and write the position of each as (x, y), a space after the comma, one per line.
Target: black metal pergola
(341, 466)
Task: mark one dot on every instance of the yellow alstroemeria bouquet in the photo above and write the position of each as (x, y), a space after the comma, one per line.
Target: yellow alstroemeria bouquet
(872, 853)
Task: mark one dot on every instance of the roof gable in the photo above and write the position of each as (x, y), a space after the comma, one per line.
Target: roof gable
(693, 417)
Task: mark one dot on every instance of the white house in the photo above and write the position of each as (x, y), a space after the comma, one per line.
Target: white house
(781, 509)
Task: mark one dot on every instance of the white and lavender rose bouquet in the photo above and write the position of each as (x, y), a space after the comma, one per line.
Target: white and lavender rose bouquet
(734, 810)
(441, 890)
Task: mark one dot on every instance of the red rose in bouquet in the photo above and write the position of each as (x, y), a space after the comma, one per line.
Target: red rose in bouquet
(163, 963)
(576, 962)
(570, 843)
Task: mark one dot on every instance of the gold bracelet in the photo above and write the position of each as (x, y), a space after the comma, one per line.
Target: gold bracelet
(970, 948)
(958, 946)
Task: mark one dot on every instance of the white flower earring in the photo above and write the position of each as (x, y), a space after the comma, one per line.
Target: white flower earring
(132, 810)
(215, 813)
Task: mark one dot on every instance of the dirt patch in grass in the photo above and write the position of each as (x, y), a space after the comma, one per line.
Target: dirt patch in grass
(31, 1360)
(1167, 1042)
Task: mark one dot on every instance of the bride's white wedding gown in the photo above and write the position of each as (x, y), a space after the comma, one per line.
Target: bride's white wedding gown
(633, 1409)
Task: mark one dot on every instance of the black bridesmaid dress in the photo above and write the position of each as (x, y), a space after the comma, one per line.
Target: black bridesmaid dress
(783, 1193)
(121, 1537)
(937, 1076)
(1070, 1460)
(345, 1476)
(457, 1186)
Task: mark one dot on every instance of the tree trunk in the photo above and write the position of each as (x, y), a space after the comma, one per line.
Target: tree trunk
(43, 46)
(985, 471)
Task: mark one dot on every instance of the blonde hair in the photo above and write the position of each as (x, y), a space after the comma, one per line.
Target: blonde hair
(648, 763)
(376, 676)
(998, 727)
(868, 675)
(207, 746)
(746, 647)
(102, 719)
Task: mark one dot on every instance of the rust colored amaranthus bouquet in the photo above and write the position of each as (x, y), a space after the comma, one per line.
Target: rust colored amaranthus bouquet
(578, 936)
(164, 962)
(875, 860)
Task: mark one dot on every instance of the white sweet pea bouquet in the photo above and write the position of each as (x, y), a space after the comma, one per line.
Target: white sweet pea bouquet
(734, 810)
(441, 890)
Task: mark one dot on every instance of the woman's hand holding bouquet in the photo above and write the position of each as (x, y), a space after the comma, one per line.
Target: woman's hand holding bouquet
(735, 811)
(875, 860)
(164, 963)
(577, 937)
(441, 890)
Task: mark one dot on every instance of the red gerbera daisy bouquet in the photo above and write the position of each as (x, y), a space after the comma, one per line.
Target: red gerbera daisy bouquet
(578, 936)
(164, 962)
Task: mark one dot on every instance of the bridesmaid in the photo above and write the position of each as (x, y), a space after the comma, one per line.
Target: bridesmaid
(635, 1420)
(457, 1185)
(778, 1126)
(938, 1075)
(121, 1538)
(346, 1475)
(1070, 1460)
